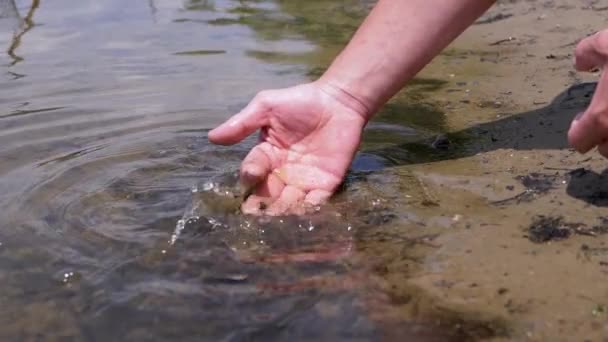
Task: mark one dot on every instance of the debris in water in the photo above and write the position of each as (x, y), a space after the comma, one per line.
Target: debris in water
(263, 206)
(441, 142)
(545, 229)
(535, 184)
(70, 277)
(538, 182)
(228, 278)
(495, 18)
(580, 172)
(599, 310)
(498, 42)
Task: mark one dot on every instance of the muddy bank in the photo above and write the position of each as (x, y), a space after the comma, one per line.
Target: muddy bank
(519, 215)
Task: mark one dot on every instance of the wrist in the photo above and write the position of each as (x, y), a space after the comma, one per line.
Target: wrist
(347, 96)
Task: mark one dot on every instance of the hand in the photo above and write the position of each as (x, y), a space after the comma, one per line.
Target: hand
(590, 128)
(309, 136)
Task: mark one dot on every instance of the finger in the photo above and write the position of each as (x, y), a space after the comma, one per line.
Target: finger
(603, 148)
(271, 187)
(264, 195)
(257, 165)
(241, 125)
(256, 205)
(290, 202)
(317, 197)
(590, 53)
(589, 129)
(582, 135)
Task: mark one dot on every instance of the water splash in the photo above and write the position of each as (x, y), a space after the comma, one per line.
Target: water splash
(214, 198)
(179, 227)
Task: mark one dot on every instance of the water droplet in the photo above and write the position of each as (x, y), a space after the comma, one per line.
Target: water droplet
(214, 223)
(181, 224)
(376, 202)
(67, 277)
(208, 186)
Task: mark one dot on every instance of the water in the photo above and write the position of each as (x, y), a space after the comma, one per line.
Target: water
(104, 111)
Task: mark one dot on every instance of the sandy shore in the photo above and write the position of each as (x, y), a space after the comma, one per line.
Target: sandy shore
(512, 91)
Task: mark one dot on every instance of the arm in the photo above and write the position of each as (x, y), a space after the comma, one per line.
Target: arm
(397, 39)
(310, 133)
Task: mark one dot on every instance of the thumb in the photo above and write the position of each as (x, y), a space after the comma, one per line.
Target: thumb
(241, 125)
(583, 134)
(589, 128)
(590, 53)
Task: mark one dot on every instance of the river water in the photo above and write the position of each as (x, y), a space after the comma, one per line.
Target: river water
(104, 110)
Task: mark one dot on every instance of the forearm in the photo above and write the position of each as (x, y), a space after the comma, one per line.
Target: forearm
(396, 40)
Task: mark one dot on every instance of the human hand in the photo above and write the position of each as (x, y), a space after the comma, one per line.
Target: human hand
(309, 136)
(590, 128)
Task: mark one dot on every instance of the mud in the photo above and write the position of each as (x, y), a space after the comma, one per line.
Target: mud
(520, 216)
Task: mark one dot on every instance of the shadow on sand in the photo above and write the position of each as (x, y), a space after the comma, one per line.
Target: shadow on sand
(540, 129)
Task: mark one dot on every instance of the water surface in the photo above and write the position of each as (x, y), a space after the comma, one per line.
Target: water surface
(104, 110)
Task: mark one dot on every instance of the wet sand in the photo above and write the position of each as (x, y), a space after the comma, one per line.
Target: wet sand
(509, 96)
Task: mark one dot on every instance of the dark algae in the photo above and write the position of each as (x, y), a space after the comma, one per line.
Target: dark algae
(545, 229)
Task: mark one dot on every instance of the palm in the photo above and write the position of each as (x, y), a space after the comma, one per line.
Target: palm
(307, 142)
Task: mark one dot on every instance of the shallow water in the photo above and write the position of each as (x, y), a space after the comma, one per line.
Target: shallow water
(105, 107)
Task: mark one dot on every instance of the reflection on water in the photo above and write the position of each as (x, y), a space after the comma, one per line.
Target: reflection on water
(26, 25)
(105, 109)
